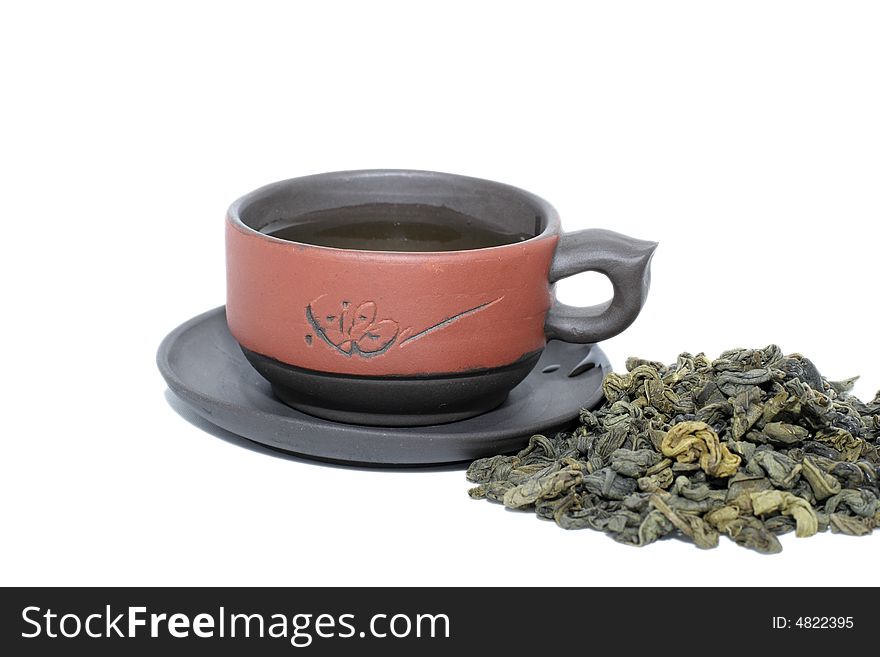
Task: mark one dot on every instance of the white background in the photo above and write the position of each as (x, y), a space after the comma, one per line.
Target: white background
(745, 137)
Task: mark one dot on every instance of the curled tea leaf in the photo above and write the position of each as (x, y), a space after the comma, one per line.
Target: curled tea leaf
(747, 409)
(751, 445)
(547, 486)
(781, 433)
(633, 463)
(782, 470)
(823, 485)
(492, 468)
(688, 442)
(862, 502)
(844, 524)
(769, 501)
(746, 531)
(843, 441)
(702, 534)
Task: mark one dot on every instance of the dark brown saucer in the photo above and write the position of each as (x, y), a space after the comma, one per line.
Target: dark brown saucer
(204, 366)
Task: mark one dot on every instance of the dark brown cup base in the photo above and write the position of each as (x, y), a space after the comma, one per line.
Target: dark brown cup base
(208, 373)
(391, 401)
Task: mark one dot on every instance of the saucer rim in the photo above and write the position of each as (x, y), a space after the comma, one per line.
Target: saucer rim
(476, 441)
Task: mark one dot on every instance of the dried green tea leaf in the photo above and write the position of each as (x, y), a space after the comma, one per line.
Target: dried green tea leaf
(746, 531)
(770, 501)
(843, 524)
(781, 433)
(493, 490)
(742, 484)
(842, 440)
(609, 484)
(823, 485)
(633, 463)
(843, 387)
(651, 483)
(751, 445)
(549, 485)
(696, 441)
(655, 526)
(747, 409)
(782, 469)
(702, 534)
(489, 469)
(862, 502)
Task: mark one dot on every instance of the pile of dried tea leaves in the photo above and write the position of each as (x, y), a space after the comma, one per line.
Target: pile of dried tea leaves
(752, 445)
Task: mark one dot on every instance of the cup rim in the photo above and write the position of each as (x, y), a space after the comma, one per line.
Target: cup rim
(233, 214)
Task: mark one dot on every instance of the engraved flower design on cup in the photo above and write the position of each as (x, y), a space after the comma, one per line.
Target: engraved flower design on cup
(352, 329)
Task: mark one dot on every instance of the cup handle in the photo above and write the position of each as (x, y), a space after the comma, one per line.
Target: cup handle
(627, 264)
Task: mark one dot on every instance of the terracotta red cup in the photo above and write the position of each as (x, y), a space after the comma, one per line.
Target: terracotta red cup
(402, 298)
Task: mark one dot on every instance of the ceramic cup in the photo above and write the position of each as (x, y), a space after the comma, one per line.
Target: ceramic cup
(403, 298)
